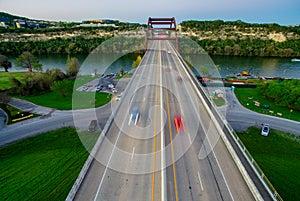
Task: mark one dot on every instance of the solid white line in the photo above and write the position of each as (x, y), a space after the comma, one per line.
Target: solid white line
(110, 157)
(200, 181)
(132, 153)
(162, 143)
(130, 119)
(189, 138)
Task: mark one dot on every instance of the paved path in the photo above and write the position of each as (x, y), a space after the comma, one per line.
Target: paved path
(241, 118)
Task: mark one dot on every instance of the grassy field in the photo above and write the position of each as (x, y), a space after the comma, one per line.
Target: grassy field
(278, 155)
(5, 77)
(43, 167)
(247, 96)
(81, 100)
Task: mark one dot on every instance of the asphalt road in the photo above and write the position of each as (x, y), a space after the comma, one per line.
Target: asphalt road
(148, 158)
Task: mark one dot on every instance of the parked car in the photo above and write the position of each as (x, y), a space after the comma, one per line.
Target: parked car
(93, 126)
(265, 129)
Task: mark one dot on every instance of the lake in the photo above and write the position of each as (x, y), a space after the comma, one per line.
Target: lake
(106, 63)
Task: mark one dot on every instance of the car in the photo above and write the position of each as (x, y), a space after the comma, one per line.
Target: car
(118, 98)
(169, 52)
(179, 124)
(93, 126)
(134, 117)
(98, 88)
(265, 130)
(114, 90)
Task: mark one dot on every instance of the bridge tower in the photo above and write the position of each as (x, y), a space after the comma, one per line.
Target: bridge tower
(161, 29)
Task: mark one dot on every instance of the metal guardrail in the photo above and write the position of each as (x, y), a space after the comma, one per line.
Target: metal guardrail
(253, 164)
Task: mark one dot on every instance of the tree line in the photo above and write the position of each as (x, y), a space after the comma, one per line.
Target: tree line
(237, 38)
(284, 93)
(251, 47)
(239, 25)
(70, 46)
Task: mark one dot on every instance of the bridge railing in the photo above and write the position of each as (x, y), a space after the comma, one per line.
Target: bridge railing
(242, 148)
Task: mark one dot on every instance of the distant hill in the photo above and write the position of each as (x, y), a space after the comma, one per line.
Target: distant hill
(8, 18)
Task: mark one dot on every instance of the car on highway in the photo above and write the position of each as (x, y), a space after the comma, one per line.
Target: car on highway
(265, 130)
(179, 124)
(134, 117)
(179, 79)
(93, 126)
(169, 52)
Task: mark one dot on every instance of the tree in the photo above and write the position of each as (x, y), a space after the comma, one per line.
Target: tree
(27, 60)
(137, 62)
(4, 98)
(72, 66)
(121, 70)
(4, 63)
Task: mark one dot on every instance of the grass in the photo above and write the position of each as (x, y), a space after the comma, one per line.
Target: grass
(43, 167)
(81, 100)
(63, 98)
(278, 155)
(247, 96)
(5, 77)
(16, 115)
(219, 101)
(127, 75)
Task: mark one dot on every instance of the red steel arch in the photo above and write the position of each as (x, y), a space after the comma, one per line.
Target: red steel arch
(161, 29)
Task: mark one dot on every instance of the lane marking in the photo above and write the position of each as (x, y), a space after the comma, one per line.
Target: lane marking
(123, 122)
(189, 138)
(130, 120)
(132, 153)
(171, 140)
(154, 142)
(213, 119)
(162, 141)
(200, 181)
(106, 167)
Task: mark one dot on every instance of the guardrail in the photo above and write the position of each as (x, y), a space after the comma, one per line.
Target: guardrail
(242, 148)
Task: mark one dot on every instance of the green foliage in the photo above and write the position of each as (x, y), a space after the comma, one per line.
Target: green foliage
(283, 93)
(80, 45)
(251, 47)
(43, 167)
(62, 97)
(35, 83)
(4, 63)
(122, 71)
(225, 38)
(278, 155)
(137, 62)
(72, 67)
(27, 60)
(248, 96)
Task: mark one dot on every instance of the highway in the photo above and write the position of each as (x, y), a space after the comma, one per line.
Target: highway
(144, 156)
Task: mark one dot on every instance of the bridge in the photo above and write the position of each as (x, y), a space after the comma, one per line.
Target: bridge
(165, 140)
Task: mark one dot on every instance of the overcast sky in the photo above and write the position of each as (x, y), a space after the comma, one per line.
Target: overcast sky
(285, 12)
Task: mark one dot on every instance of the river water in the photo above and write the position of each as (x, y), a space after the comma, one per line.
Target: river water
(261, 66)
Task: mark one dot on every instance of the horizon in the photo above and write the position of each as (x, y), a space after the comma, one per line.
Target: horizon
(282, 12)
(120, 20)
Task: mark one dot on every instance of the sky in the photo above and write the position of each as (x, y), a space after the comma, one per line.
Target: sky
(284, 12)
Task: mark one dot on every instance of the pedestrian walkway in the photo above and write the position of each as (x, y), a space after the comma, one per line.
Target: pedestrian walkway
(29, 107)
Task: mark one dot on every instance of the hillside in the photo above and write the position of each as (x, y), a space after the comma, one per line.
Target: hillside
(243, 39)
(216, 37)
